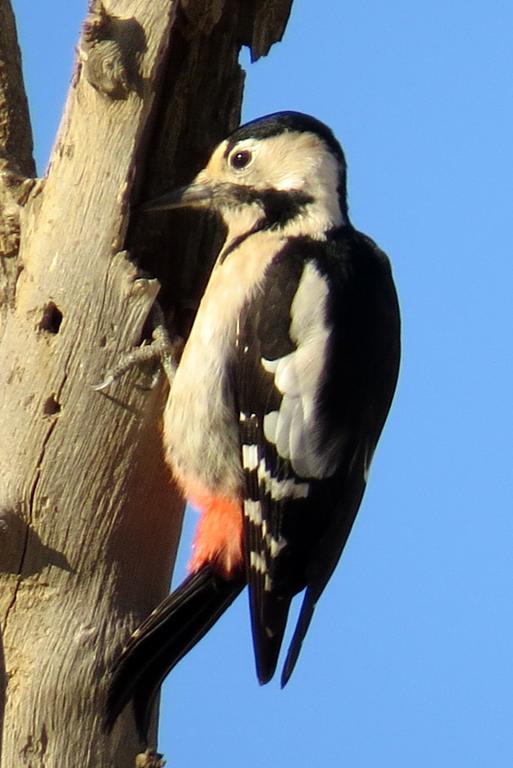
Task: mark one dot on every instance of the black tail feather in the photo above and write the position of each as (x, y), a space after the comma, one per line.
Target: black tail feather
(268, 619)
(303, 622)
(177, 624)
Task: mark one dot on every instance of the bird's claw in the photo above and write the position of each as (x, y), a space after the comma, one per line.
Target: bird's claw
(160, 350)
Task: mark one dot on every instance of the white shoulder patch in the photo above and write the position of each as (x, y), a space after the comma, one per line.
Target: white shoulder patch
(298, 376)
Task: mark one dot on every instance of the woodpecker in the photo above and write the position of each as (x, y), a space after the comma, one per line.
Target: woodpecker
(279, 398)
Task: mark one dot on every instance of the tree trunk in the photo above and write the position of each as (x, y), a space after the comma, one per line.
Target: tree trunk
(89, 518)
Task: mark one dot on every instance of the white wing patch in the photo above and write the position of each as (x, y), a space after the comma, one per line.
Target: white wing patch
(253, 511)
(257, 562)
(250, 456)
(281, 489)
(298, 376)
(272, 545)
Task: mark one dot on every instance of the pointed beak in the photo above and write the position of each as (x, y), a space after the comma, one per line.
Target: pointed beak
(195, 195)
(202, 192)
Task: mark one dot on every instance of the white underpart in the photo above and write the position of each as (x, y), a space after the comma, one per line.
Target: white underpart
(298, 376)
(200, 432)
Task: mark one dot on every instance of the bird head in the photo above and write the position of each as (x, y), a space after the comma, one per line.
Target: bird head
(286, 170)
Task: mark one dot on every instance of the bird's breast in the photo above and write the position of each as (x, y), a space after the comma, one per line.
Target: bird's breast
(201, 420)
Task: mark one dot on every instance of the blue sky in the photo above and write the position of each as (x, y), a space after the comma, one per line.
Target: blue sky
(409, 659)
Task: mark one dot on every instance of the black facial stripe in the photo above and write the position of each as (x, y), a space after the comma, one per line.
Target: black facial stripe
(279, 208)
(282, 206)
(257, 227)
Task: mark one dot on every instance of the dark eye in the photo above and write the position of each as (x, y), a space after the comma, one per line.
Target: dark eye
(240, 159)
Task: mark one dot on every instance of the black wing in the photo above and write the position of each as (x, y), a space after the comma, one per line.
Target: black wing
(318, 352)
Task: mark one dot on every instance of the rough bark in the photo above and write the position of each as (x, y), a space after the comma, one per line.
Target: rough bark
(16, 162)
(89, 519)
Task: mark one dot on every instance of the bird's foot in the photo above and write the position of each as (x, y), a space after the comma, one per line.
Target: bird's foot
(162, 350)
(149, 759)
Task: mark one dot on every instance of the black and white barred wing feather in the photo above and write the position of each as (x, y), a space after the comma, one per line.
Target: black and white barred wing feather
(283, 349)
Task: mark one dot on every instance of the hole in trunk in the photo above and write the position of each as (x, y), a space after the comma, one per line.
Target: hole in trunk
(51, 406)
(51, 319)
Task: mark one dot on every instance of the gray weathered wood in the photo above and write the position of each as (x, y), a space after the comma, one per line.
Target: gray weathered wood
(89, 519)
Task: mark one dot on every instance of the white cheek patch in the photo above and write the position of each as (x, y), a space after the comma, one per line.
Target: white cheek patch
(299, 376)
